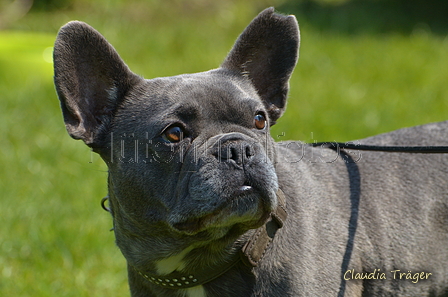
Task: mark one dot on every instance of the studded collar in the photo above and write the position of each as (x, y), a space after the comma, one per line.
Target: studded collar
(178, 280)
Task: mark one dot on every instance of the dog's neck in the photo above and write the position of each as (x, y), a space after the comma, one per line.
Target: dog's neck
(174, 276)
(193, 272)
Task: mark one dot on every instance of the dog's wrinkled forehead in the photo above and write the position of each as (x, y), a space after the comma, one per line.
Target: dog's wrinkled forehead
(98, 91)
(215, 96)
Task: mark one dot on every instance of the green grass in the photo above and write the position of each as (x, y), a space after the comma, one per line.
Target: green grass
(54, 236)
(350, 87)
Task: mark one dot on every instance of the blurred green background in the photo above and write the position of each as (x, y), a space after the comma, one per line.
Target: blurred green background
(366, 67)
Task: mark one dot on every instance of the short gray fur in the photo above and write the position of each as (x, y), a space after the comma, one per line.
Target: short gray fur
(207, 192)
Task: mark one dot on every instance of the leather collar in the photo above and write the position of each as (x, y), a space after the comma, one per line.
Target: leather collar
(251, 254)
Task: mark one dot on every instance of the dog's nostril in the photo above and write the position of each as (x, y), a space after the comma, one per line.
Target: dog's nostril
(234, 155)
(249, 151)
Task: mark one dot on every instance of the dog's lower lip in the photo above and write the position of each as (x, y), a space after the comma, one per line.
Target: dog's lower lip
(195, 224)
(188, 226)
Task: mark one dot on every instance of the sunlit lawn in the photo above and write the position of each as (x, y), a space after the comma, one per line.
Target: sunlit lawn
(54, 238)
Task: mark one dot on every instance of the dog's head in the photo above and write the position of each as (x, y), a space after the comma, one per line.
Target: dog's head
(190, 158)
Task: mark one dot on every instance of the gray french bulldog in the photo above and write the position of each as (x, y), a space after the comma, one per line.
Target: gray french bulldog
(205, 203)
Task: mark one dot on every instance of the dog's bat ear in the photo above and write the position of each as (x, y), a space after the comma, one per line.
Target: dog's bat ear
(267, 52)
(91, 80)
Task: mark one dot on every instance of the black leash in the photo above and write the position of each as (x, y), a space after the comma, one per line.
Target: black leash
(380, 148)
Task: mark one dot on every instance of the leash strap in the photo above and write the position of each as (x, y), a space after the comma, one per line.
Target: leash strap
(390, 149)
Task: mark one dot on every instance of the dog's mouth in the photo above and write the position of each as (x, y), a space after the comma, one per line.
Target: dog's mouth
(217, 194)
(246, 207)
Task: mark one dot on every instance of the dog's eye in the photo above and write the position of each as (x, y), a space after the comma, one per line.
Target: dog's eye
(260, 121)
(173, 134)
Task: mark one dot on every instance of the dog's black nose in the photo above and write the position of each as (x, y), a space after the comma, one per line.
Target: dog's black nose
(232, 150)
(236, 151)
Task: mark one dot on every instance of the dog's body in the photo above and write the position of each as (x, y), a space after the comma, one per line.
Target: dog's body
(193, 172)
